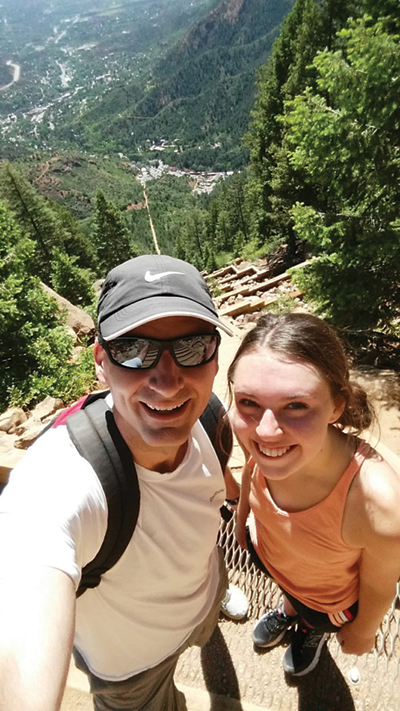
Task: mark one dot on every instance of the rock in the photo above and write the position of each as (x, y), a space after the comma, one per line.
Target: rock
(6, 442)
(11, 419)
(26, 438)
(7, 462)
(47, 407)
(81, 323)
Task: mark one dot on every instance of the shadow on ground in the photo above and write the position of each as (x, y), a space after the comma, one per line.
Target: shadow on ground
(325, 688)
(219, 672)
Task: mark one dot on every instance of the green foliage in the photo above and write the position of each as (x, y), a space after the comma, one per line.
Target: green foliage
(54, 377)
(282, 304)
(110, 235)
(76, 243)
(34, 347)
(71, 281)
(274, 185)
(33, 215)
(60, 247)
(345, 138)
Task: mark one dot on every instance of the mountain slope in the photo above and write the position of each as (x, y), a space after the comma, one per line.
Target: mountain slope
(202, 91)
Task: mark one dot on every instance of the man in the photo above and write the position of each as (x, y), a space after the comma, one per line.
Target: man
(157, 352)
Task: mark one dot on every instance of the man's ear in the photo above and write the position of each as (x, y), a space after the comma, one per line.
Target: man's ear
(99, 358)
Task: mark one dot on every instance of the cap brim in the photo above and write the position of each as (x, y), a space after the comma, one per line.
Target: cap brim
(138, 314)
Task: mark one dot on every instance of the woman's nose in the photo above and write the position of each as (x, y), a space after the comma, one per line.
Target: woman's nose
(269, 425)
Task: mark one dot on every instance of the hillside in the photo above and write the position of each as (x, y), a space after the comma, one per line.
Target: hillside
(59, 59)
(72, 178)
(133, 76)
(199, 97)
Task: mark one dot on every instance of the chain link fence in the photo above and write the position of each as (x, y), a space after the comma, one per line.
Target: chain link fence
(374, 678)
(240, 676)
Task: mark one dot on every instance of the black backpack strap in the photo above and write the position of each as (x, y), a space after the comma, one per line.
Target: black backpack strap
(216, 424)
(96, 437)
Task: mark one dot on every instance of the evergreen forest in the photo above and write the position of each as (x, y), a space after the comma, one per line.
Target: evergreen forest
(320, 184)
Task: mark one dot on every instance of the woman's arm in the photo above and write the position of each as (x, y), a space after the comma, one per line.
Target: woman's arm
(372, 522)
(243, 509)
(232, 488)
(379, 572)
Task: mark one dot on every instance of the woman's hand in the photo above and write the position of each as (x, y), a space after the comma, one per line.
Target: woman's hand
(240, 533)
(354, 640)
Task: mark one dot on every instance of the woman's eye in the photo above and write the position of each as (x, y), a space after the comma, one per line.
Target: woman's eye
(297, 406)
(245, 402)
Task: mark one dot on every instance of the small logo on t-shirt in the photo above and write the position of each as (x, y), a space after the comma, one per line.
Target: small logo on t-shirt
(220, 491)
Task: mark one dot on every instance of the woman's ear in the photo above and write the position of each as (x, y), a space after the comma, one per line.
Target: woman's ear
(100, 357)
(339, 406)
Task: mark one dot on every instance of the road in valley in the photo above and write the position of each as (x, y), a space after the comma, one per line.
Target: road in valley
(16, 74)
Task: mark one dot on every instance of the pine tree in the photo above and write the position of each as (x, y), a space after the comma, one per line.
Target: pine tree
(110, 235)
(71, 281)
(34, 217)
(273, 185)
(75, 242)
(34, 346)
(344, 137)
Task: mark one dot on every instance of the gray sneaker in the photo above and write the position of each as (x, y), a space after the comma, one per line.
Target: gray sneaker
(304, 652)
(272, 627)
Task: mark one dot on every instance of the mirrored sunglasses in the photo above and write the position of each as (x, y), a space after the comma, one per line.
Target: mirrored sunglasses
(144, 353)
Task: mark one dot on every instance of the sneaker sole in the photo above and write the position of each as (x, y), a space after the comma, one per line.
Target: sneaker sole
(289, 669)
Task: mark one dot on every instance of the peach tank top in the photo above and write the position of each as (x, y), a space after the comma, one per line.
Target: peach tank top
(304, 551)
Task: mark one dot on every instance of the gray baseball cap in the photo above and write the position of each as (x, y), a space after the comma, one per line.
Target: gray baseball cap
(150, 287)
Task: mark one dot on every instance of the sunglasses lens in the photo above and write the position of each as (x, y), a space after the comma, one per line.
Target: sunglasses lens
(143, 353)
(195, 350)
(133, 352)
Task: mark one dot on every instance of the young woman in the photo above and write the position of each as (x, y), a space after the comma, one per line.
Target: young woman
(325, 506)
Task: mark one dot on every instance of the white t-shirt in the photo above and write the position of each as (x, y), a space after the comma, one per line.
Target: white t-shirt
(54, 513)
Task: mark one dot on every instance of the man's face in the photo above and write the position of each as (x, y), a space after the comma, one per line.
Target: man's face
(155, 409)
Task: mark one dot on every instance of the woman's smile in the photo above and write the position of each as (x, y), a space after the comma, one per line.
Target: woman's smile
(282, 411)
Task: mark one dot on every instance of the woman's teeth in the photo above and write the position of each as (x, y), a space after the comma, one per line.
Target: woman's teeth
(276, 452)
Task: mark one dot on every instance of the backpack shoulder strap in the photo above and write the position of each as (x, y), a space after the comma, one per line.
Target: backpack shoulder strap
(96, 437)
(217, 426)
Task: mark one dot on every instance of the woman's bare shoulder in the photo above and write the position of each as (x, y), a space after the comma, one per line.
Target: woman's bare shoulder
(373, 502)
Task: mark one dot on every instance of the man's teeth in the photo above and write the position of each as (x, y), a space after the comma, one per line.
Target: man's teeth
(163, 409)
(277, 452)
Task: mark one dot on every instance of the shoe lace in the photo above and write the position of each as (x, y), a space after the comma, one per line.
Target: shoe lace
(277, 619)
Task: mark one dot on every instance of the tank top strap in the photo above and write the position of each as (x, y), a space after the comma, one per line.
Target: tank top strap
(354, 466)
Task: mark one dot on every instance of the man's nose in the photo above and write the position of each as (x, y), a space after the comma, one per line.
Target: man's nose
(269, 425)
(167, 376)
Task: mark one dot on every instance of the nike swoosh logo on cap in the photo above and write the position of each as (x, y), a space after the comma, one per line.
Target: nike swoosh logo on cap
(155, 277)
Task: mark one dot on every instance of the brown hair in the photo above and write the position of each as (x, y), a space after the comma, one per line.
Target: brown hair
(311, 339)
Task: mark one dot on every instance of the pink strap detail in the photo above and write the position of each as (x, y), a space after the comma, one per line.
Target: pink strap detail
(63, 416)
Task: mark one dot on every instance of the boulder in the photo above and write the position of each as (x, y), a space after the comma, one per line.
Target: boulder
(77, 319)
(47, 407)
(29, 434)
(11, 419)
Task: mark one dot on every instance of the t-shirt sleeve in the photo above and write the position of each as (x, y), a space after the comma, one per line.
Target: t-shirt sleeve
(53, 512)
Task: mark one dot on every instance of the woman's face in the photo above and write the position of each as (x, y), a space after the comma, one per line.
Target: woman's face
(281, 412)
